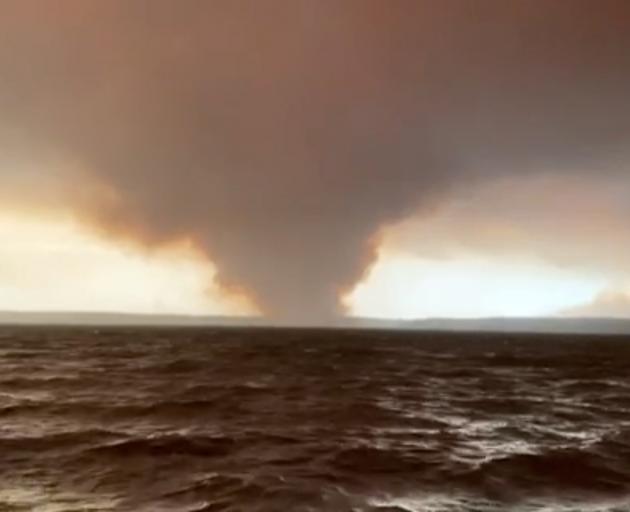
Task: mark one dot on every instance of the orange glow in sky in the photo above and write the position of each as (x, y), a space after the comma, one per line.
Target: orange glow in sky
(56, 264)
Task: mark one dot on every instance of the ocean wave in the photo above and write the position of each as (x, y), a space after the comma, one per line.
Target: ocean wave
(554, 469)
(165, 445)
(75, 440)
(313, 421)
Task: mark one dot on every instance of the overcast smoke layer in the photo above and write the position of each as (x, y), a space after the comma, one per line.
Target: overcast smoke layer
(283, 134)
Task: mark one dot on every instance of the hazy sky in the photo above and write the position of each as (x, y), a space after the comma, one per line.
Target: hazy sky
(305, 159)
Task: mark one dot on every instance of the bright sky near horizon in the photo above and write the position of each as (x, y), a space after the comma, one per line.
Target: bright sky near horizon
(409, 287)
(57, 264)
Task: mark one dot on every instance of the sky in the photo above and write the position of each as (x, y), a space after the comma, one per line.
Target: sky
(305, 160)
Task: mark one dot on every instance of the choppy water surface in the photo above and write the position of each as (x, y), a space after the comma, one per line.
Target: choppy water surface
(289, 420)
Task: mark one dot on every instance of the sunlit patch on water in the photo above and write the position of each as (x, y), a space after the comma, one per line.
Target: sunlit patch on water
(48, 499)
(449, 503)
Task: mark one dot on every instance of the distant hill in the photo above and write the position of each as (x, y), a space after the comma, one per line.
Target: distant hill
(539, 325)
(536, 325)
(121, 319)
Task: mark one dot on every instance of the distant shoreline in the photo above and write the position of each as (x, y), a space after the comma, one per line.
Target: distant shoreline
(559, 325)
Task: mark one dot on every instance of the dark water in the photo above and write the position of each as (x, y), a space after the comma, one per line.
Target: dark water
(288, 420)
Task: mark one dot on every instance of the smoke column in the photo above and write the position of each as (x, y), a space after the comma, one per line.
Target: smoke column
(282, 135)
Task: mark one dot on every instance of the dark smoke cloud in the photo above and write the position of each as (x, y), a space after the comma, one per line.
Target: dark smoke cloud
(282, 134)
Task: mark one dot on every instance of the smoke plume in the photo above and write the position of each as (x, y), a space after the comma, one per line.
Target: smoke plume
(281, 135)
